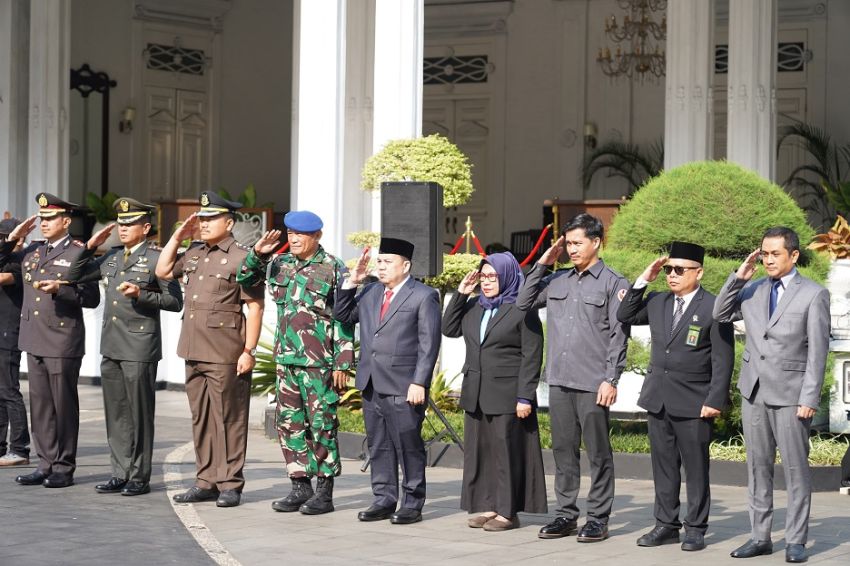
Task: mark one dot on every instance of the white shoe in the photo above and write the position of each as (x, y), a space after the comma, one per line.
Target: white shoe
(12, 459)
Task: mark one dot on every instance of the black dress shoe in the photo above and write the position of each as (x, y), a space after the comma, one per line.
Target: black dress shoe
(694, 540)
(376, 513)
(752, 548)
(795, 553)
(59, 480)
(406, 516)
(114, 485)
(136, 488)
(196, 494)
(35, 478)
(560, 527)
(658, 536)
(593, 531)
(228, 498)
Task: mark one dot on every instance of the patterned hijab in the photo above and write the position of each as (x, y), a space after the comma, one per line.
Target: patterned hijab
(510, 280)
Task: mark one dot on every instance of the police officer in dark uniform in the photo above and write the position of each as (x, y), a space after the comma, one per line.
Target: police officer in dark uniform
(131, 340)
(53, 336)
(218, 344)
(13, 411)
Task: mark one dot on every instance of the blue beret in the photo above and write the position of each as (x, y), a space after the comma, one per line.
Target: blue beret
(303, 221)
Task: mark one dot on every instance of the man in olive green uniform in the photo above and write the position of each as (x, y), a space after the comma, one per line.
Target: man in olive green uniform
(218, 344)
(53, 336)
(131, 341)
(313, 355)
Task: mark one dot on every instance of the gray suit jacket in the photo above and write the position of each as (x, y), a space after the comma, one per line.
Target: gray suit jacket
(400, 349)
(131, 327)
(786, 353)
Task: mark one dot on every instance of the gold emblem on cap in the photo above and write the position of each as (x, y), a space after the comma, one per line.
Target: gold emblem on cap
(42, 200)
(205, 200)
(125, 206)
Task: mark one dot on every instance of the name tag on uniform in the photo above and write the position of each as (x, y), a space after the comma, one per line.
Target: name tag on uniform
(62, 262)
(140, 269)
(692, 339)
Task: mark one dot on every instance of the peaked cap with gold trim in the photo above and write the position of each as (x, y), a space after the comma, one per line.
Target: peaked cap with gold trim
(130, 210)
(213, 204)
(51, 205)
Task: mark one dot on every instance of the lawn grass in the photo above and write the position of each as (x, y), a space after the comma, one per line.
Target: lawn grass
(626, 436)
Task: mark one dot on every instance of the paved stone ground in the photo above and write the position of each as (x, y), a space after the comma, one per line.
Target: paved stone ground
(77, 526)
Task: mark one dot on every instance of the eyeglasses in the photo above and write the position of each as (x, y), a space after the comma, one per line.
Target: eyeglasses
(679, 269)
(488, 276)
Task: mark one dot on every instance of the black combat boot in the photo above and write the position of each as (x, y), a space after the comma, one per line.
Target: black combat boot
(301, 492)
(322, 501)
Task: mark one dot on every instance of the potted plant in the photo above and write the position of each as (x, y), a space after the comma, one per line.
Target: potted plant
(836, 243)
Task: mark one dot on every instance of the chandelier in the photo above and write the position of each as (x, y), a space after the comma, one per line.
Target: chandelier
(639, 51)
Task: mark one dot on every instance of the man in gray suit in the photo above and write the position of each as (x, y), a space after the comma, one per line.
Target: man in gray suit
(782, 369)
(131, 341)
(399, 339)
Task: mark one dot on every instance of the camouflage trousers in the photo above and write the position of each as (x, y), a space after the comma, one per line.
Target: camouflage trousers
(307, 422)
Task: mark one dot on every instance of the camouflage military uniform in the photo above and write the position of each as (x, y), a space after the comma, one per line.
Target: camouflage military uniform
(309, 346)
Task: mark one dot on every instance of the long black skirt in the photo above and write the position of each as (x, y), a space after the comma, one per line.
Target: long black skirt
(502, 465)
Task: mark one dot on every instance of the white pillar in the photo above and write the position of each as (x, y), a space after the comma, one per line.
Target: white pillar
(319, 110)
(50, 84)
(399, 48)
(688, 129)
(14, 89)
(751, 131)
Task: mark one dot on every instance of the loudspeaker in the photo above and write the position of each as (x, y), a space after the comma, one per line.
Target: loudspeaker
(413, 211)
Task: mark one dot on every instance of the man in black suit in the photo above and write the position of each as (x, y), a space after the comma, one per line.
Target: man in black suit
(399, 340)
(686, 386)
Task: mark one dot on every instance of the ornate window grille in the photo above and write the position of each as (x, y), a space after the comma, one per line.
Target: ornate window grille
(175, 59)
(791, 57)
(455, 69)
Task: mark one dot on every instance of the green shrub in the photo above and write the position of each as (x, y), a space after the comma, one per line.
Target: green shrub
(455, 267)
(430, 158)
(717, 204)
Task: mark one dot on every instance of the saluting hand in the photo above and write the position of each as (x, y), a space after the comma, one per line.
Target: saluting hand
(186, 230)
(651, 272)
(468, 283)
(361, 268)
(100, 237)
(551, 255)
(23, 229)
(268, 243)
(748, 268)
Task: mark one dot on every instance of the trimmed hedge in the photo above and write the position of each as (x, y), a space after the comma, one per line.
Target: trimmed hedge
(717, 204)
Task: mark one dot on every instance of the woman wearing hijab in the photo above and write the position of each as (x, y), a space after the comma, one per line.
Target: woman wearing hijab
(502, 462)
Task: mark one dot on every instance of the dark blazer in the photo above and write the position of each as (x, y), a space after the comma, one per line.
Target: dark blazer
(401, 349)
(131, 327)
(11, 298)
(52, 325)
(682, 378)
(506, 365)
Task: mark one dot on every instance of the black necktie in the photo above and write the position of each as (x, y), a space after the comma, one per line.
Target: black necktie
(49, 248)
(677, 316)
(774, 296)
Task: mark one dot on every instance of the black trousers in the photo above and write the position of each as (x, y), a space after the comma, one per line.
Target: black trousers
(676, 442)
(13, 411)
(575, 416)
(129, 398)
(55, 411)
(393, 433)
(845, 465)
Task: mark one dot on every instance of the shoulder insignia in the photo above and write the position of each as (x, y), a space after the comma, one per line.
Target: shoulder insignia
(78, 243)
(155, 247)
(621, 294)
(242, 246)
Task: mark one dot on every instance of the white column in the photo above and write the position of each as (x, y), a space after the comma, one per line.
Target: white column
(50, 79)
(399, 48)
(14, 89)
(751, 131)
(319, 110)
(688, 129)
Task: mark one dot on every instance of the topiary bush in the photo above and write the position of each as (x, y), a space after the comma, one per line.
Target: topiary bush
(717, 204)
(430, 158)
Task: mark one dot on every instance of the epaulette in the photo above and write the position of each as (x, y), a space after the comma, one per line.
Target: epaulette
(78, 243)
(155, 247)
(242, 246)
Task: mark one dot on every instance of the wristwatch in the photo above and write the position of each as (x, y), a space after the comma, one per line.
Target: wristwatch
(251, 352)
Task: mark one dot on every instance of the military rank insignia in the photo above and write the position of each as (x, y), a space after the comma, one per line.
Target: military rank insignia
(692, 339)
